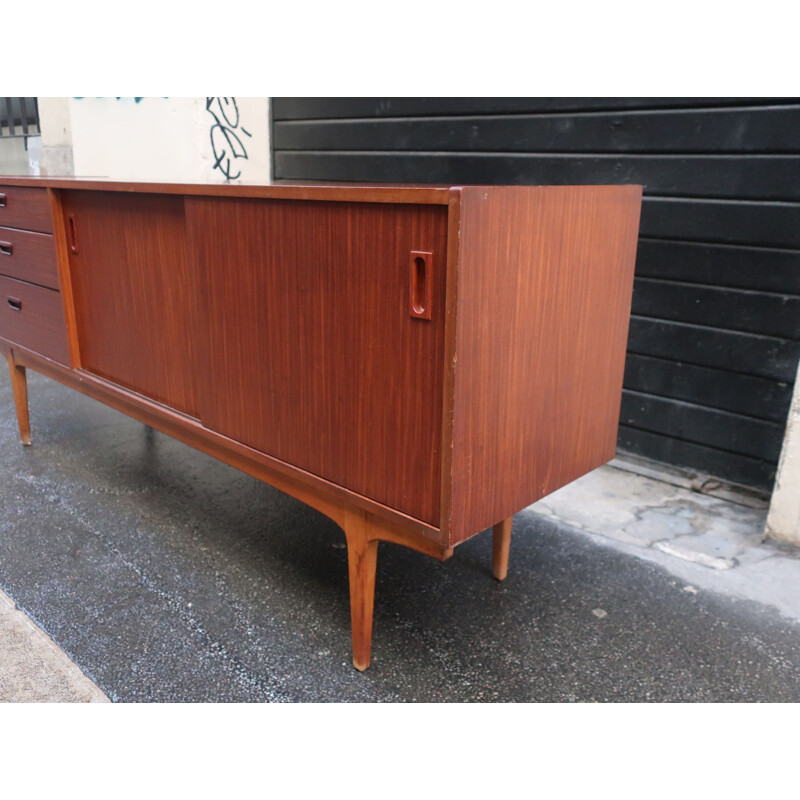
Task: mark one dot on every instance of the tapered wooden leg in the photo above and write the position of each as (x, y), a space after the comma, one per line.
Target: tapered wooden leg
(501, 543)
(19, 383)
(362, 558)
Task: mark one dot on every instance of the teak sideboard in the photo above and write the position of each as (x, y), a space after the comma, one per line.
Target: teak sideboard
(418, 363)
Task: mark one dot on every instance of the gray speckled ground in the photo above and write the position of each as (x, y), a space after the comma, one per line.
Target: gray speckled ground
(168, 576)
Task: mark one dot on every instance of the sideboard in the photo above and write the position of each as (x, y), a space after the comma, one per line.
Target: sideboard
(418, 363)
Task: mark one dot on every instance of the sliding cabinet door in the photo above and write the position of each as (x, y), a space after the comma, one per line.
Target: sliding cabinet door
(135, 292)
(315, 353)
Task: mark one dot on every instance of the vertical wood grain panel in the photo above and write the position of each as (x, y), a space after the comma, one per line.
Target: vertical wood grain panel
(26, 208)
(28, 256)
(33, 317)
(135, 293)
(545, 282)
(313, 355)
(64, 276)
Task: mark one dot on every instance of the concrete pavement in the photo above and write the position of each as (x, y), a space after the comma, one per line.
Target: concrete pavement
(33, 668)
(715, 541)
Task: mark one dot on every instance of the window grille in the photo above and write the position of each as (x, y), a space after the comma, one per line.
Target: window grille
(19, 117)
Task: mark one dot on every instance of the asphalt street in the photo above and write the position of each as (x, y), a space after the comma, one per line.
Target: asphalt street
(168, 576)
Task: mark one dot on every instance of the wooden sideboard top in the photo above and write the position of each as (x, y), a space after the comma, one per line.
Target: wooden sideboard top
(428, 194)
(288, 190)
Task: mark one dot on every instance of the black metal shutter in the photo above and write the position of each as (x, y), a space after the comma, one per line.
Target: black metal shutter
(715, 331)
(19, 117)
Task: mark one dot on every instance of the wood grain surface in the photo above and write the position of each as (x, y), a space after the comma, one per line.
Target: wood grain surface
(351, 191)
(25, 207)
(33, 317)
(135, 293)
(313, 356)
(545, 280)
(64, 275)
(19, 386)
(501, 547)
(28, 256)
(385, 523)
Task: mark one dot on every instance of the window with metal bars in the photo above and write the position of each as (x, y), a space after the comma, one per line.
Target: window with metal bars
(19, 117)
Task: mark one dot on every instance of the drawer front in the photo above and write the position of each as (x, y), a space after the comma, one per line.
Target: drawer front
(28, 256)
(26, 208)
(33, 317)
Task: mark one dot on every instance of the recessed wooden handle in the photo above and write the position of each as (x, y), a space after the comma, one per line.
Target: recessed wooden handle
(72, 233)
(6, 248)
(420, 284)
(15, 304)
(2, 200)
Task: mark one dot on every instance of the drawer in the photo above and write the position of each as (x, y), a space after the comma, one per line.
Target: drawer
(28, 256)
(26, 208)
(33, 317)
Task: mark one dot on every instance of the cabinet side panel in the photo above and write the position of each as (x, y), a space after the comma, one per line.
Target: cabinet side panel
(134, 292)
(545, 284)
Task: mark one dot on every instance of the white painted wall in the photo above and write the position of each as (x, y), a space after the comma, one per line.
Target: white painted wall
(168, 139)
(20, 155)
(783, 521)
(55, 124)
(14, 157)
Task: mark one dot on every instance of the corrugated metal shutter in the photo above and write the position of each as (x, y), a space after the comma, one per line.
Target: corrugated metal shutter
(19, 117)
(715, 332)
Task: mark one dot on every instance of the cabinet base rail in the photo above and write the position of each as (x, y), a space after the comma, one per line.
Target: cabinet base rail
(363, 528)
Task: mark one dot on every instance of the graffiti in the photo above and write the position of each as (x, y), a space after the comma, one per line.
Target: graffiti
(226, 142)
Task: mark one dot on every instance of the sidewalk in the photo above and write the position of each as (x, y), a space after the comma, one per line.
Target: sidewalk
(33, 669)
(714, 541)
